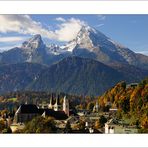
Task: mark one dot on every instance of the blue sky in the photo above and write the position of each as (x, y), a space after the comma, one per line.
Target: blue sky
(129, 30)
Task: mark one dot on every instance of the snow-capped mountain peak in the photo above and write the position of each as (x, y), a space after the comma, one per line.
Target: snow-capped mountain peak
(33, 43)
(82, 39)
(92, 43)
(55, 49)
(89, 43)
(90, 38)
(33, 47)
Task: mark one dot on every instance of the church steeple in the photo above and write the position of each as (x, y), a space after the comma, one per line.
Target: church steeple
(50, 106)
(66, 106)
(96, 107)
(56, 106)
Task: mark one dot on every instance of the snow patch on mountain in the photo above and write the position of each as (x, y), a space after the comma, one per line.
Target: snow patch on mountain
(82, 40)
(55, 49)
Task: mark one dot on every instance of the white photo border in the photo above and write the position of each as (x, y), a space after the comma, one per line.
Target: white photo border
(74, 7)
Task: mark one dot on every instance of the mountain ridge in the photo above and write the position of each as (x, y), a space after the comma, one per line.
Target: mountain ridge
(14, 77)
(89, 64)
(89, 43)
(78, 75)
(74, 75)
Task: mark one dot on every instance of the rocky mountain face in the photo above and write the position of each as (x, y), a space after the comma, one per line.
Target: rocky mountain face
(93, 44)
(89, 43)
(33, 51)
(89, 64)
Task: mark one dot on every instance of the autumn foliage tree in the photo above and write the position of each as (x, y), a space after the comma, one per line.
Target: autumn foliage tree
(130, 100)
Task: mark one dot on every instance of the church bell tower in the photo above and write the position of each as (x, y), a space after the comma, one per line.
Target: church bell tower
(66, 106)
(56, 106)
(50, 106)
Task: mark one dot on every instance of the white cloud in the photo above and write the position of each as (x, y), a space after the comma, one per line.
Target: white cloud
(11, 39)
(60, 19)
(101, 17)
(69, 29)
(6, 48)
(99, 25)
(145, 52)
(24, 24)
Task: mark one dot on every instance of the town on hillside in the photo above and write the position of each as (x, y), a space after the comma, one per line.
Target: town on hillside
(59, 114)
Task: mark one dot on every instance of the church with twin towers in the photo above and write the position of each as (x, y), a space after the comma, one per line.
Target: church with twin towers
(57, 107)
(27, 112)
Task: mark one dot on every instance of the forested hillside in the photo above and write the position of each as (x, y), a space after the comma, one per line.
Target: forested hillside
(131, 102)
